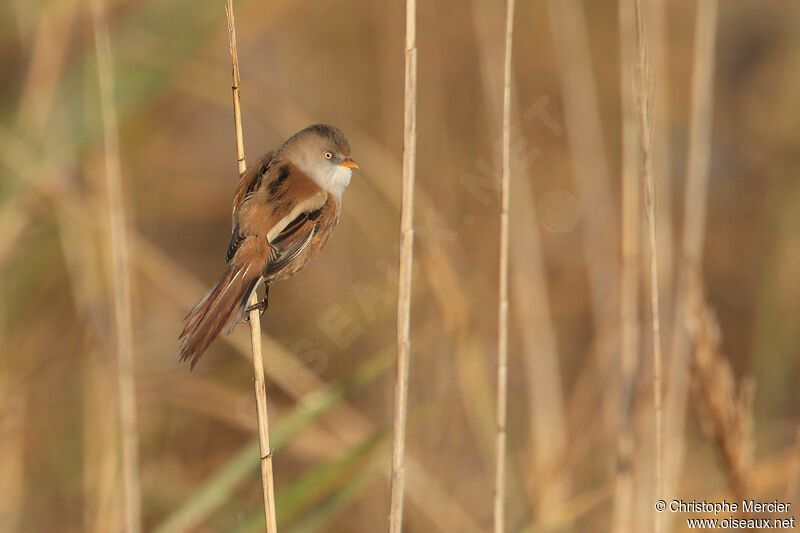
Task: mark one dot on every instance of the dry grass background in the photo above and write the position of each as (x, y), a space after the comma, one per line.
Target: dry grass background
(329, 335)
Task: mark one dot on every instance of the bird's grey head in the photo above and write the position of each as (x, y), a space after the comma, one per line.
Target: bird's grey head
(322, 152)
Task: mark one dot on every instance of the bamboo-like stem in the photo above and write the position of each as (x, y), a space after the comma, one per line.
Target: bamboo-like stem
(629, 279)
(590, 169)
(121, 273)
(545, 479)
(406, 262)
(584, 133)
(657, 15)
(267, 484)
(502, 298)
(645, 93)
(694, 227)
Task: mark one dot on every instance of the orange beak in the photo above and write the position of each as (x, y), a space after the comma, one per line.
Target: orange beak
(349, 163)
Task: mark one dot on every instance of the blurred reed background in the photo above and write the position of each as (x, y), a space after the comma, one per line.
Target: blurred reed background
(727, 91)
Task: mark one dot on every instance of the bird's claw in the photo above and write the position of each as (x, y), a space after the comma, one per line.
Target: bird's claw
(261, 306)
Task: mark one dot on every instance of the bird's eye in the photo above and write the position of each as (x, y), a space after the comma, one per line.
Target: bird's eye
(328, 155)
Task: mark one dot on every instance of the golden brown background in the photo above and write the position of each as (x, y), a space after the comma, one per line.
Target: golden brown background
(329, 333)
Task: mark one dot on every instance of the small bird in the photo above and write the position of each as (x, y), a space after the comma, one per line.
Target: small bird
(284, 210)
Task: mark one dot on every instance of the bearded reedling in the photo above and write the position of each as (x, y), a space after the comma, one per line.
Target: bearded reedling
(284, 210)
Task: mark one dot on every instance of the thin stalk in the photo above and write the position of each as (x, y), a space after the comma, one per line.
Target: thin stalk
(131, 489)
(584, 133)
(544, 479)
(645, 92)
(267, 484)
(502, 298)
(600, 230)
(694, 226)
(406, 259)
(629, 280)
(657, 15)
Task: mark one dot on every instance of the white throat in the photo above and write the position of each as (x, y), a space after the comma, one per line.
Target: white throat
(332, 178)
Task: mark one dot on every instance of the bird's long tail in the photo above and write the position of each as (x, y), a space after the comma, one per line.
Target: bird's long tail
(227, 299)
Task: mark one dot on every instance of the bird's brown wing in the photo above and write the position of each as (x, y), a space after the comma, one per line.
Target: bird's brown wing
(293, 238)
(283, 211)
(249, 182)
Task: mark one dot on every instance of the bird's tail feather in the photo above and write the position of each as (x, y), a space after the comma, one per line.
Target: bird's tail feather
(209, 316)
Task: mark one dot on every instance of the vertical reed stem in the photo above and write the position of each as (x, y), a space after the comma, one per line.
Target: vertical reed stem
(131, 490)
(406, 262)
(502, 298)
(645, 94)
(629, 280)
(267, 484)
(694, 225)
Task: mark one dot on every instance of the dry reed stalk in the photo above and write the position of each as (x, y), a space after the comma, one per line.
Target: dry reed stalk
(694, 224)
(131, 489)
(629, 279)
(547, 424)
(726, 407)
(588, 157)
(267, 484)
(549, 482)
(101, 508)
(644, 88)
(599, 227)
(78, 240)
(48, 58)
(502, 298)
(657, 16)
(406, 263)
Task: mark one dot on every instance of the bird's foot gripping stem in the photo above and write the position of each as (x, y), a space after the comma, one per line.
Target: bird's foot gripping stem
(260, 305)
